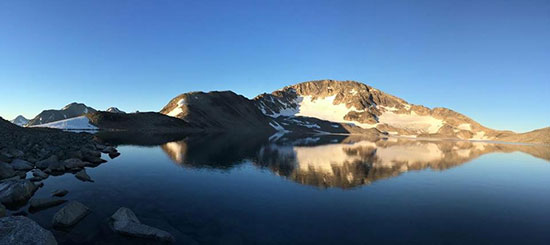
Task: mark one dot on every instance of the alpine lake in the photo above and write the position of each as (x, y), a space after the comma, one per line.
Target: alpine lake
(316, 189)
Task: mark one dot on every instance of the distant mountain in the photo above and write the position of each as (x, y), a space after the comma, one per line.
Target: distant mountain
(69, 111)
(20, 121)
(114, 110)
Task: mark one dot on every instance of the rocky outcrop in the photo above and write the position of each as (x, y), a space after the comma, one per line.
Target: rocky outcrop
(20, 230)
(125, 222)
(70, 214)
(69, 111)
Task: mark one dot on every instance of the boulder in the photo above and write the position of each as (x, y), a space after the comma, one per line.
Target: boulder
(74, 163)
(42, 203)
(60, 193)
(20, 230)
(6, 171)
(46, 163)
(21, 165)
(82, 175)
(13, 192)
(113, 155)
(125, 222)
(70, 214)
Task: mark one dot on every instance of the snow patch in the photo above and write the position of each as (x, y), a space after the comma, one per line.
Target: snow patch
(465, 126)
(412, 121)
(75, 123)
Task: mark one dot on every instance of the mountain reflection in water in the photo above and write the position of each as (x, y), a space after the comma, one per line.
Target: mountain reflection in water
(334, 161)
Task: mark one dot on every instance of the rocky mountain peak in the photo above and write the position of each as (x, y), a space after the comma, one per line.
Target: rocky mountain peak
(20, 121)
(114, 110)
(367, 107)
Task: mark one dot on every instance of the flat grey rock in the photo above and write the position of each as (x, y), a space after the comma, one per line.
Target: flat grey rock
(70, 214)
(125, 222)
(20, 230)
(60, 193)
(21, 165)
(16, 191)
(82, 175)
(6, 171)
(42, 203)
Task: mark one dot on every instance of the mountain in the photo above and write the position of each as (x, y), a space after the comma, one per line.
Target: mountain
(332, 107)
(227, 111)
(367, 107)
(69, 111)
(219, 110)
(20, 121)
(114, 110)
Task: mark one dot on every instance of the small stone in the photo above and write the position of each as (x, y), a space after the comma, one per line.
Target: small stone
(60, 193)
(22, 230)
(70, 214)
(82, 175)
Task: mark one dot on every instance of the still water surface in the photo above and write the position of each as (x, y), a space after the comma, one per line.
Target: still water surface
(323, 190)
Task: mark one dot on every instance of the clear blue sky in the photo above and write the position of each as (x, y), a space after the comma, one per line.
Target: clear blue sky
(489, 60)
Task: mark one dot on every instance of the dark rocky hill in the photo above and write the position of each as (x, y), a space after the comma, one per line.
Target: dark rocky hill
(69, 111)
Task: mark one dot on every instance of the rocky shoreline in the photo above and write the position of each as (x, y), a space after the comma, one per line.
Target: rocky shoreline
(28, 156)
